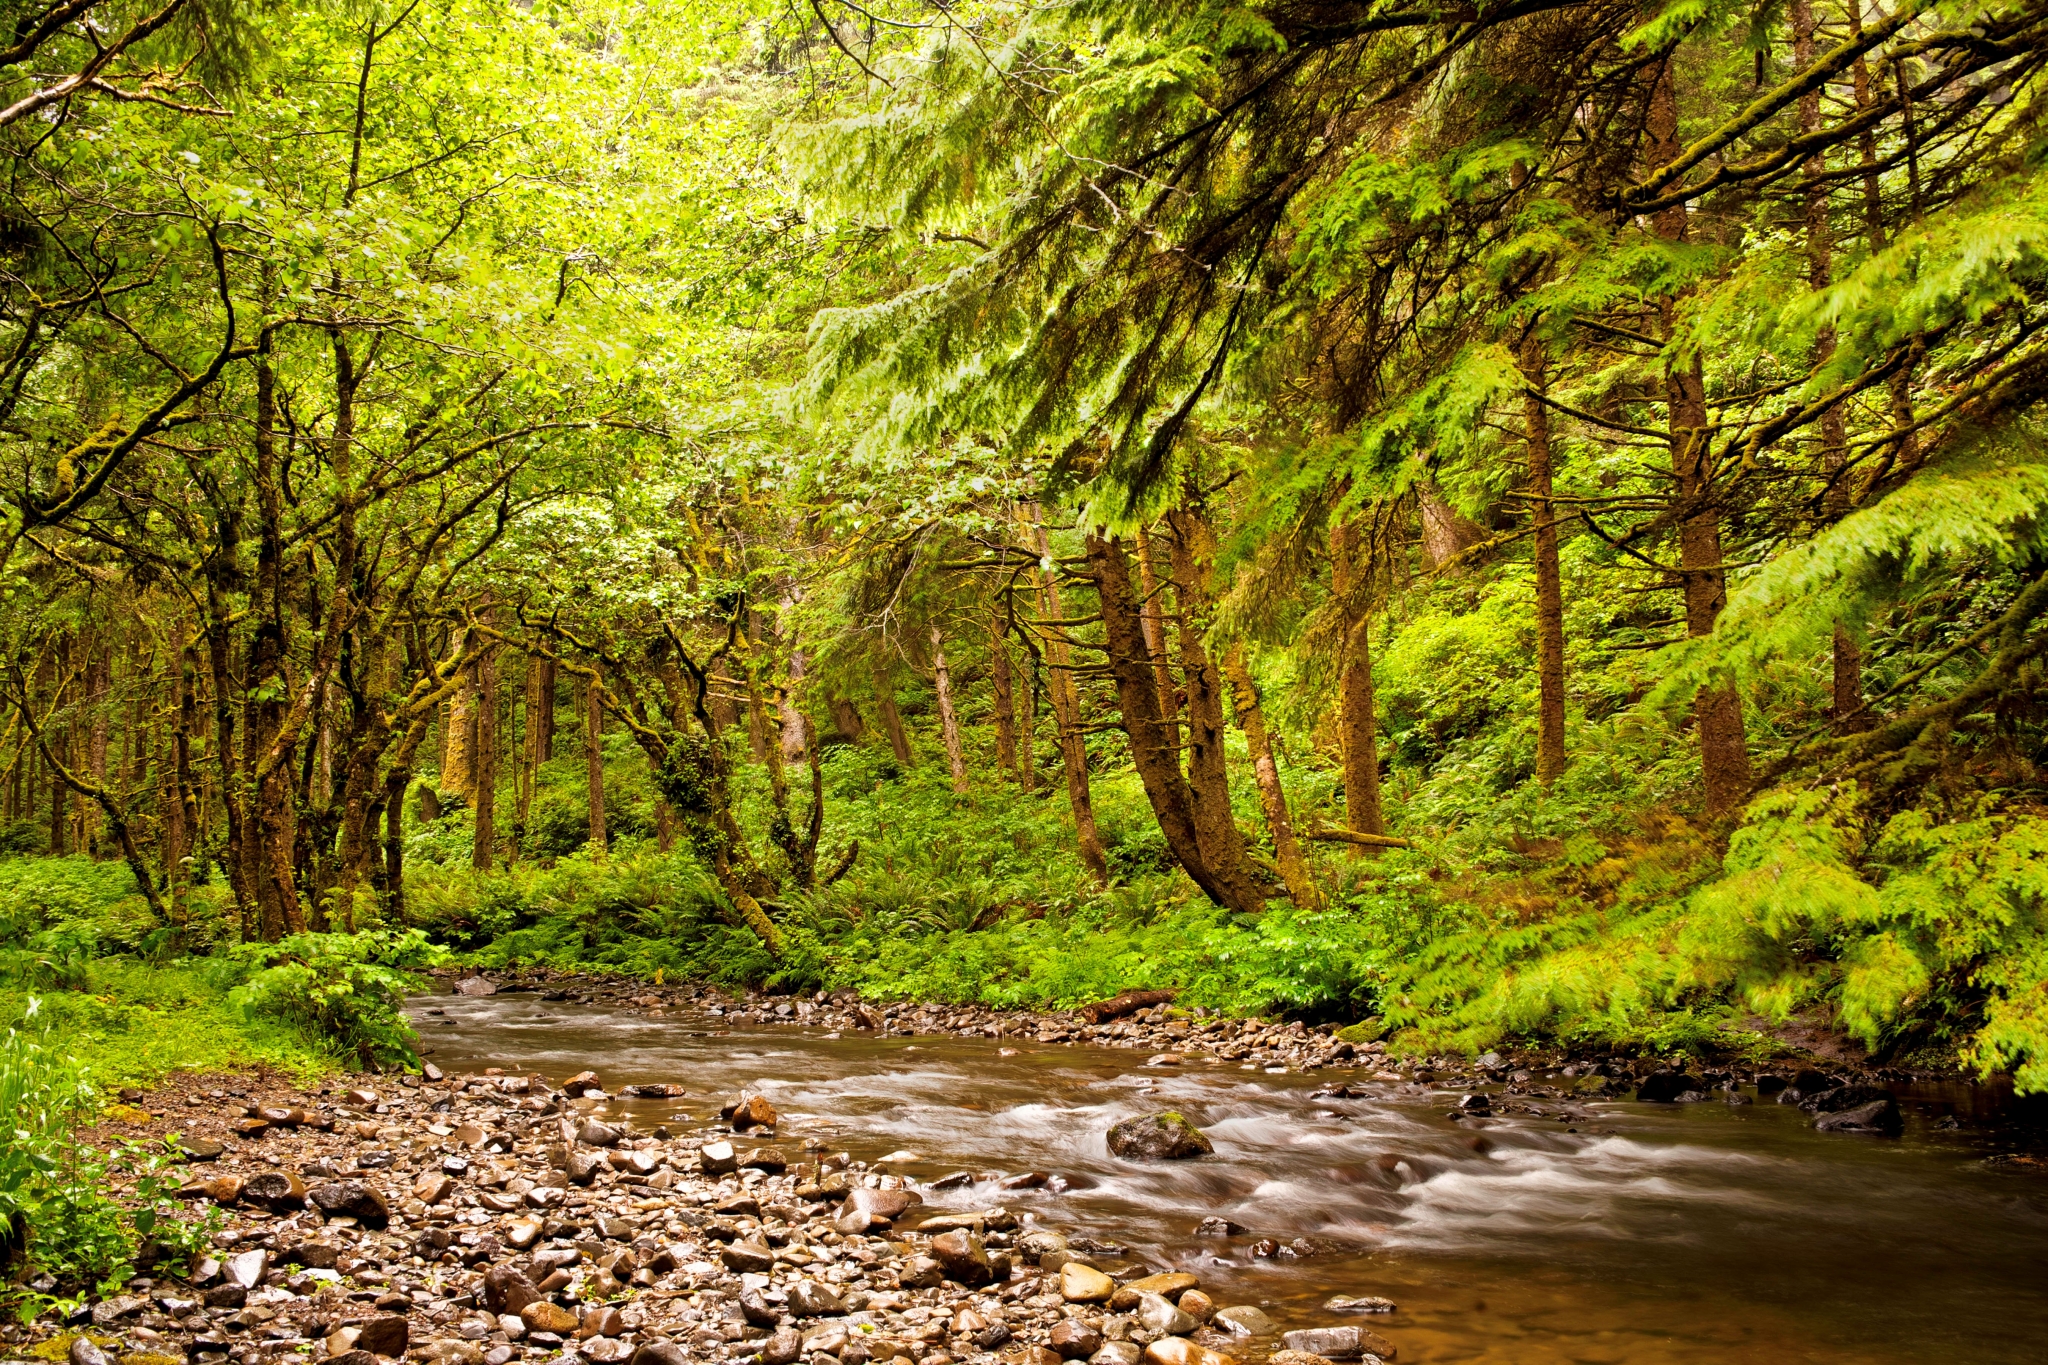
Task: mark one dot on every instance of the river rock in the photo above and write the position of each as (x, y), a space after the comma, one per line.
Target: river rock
(1037, 1242)
(766, 1159)
(200, 1149)
(1287, 1357)
(508, 1289)
(783, 1348)
(748, 1257)
(1074, 1339)
(1362, 1304)
(1196, 1305)
(1165, 1136)
(831, 1339)
(245, 1268)
(1157, 1313)
(718, 1158)
(386, 1334)
(1085, 1284)
(1170, 1285)
(1339, 1343)
(542, 1316)
(580, 1168)
(810, 1299)
(1117, 1353)
(601, 1320)
(752, 1111)
(84, 1352)
(433, 1187)
(889, 1204)
(581, 1084)
(757, 1310)
(1666, 1086)
(659, 1353)
(1218, 1227)
(352, 1199)
(595, 1134)
(476, 985)
(963, 1256)
(1878, 1116)
(1243, 1320)
(921, 1272)
(275, 1190)
(1844, 1097)
(1181, 1351)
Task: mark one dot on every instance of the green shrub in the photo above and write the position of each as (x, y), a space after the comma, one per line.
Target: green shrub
(347, 989)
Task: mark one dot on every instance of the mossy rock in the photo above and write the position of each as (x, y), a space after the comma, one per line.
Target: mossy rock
(1165, 1136)
(1363, 1032)
(59, 1346)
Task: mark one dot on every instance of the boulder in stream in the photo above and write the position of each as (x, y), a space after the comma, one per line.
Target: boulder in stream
(1165, 1136)
(1878, 1116)
(1339, 1343)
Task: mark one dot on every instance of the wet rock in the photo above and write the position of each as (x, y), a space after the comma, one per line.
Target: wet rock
(751, 1111)
(657, 1091)
(522, 1233)
(201, 1149)
(1157, 1313)
(1181, 1351)
(718, 1158)
(384, 1335)
(1363, 1304)
(1085, 1284)
(580, 1168)
(595, 1134)
(508, 1289)
(810, 1299)
(1666, 1087)
(748, 1257)
(890, 1204)
(957, 1180)
(1117, 1353)
(1197, 1305)
(1339, 1343)
(853, 1224)
(1878, 1116)
(921, 1272)
(1242, 1320)
(350, 1198)
(582, 1083)
(1218, 1227)
(768, 1159)
(542, 1316)
(758, 1310)
(1165, 1136)
(1287, 1357)
(1073, 1339)
(964, 1257)
(601, 1321)
(783, 1348)
(433, 1187)
(84, 1352)
(1844, 1097)
(1169, 1286)
(476, 985)
(107, 1312)
(606, 1351)
(221, 1189)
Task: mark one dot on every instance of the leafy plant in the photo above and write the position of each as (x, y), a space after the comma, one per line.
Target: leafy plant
(346, 989)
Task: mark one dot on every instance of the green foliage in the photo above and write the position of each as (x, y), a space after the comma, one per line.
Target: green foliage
(346, 989)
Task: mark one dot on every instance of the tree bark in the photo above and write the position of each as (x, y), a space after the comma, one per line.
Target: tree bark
(846, 721)
(892, 719)
(458, 766)
(949, 719)
(484, 768)
(1153, 747)
(1724, 749)
(98, 697)
(1208, 771)
(1066, 709)
(1445, 534)
(794, 731)
(1251, 718)
(593, 759)
(1002, 684)
(1550, 753)
(1357, 721)
(1152, 616)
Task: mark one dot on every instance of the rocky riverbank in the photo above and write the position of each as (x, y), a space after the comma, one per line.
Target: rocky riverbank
(486, 1219)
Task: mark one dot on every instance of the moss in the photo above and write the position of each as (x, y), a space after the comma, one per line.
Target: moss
(1365, 1031)
(59, 1346)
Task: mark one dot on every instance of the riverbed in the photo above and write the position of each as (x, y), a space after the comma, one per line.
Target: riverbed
(1619, 1232)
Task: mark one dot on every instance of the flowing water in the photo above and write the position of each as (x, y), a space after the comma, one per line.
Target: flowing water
(1645, 1234)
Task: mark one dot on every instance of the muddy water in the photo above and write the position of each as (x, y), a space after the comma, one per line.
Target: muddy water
(1643, 1234)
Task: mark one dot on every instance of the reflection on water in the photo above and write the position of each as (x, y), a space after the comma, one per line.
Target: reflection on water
(1623, 1233)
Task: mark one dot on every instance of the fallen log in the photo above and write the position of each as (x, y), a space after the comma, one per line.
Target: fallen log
(1130, 1002)
(1352, 836)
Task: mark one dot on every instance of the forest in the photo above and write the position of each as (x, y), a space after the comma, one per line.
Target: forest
(1516, 522)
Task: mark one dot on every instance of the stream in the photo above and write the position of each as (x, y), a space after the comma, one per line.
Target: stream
(1651, 1234)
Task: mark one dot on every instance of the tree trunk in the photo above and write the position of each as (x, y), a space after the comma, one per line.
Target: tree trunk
(1724, 749)
(1002, 685)
(1251, 718)
(892, 719)
(1208, 770)
(484, 767)
(949, 720)
(1357, 723)
(593, 759)
(1445, 534)
(1027, 727)
(846, 721)
(1153, 747)
(1550, 755)
(458, 766)
(1066, 709)
(98, 698)
(1152, 616)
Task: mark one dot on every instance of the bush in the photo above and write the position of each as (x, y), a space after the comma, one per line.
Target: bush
(347, 989)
